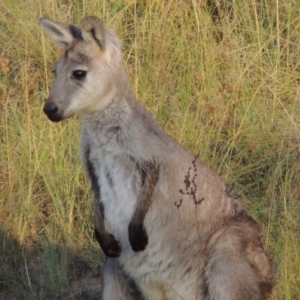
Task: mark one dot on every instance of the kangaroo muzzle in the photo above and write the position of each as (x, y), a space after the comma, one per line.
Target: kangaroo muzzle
(52, 111)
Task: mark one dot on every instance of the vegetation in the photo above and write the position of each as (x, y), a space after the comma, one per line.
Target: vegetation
(222, 77)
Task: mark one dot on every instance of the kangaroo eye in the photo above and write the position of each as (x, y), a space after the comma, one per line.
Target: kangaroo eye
(79, 74)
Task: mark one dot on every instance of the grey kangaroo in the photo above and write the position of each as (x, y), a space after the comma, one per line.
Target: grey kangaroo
(169, 226)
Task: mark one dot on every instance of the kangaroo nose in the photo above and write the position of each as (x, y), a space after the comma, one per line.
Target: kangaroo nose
(52, 112)
(50, 108)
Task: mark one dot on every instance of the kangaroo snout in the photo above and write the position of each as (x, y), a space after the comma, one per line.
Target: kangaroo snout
(51, 110)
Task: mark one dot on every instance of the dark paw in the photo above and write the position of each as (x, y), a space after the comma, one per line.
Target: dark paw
(138, 237)
(108, 244)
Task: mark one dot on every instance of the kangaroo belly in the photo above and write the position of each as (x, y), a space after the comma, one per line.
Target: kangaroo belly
(171, 266)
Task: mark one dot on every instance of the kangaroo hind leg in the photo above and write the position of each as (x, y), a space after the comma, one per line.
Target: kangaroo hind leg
(238, 266)
(117, 285)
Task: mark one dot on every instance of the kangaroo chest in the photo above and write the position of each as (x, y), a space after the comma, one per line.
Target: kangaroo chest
(119, 183)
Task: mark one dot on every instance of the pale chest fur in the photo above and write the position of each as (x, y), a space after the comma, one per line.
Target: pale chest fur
(119, 182)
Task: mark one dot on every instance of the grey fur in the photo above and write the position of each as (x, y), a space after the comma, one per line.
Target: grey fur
(184, 234)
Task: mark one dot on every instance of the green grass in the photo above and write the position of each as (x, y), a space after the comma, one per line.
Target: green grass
(223, 80)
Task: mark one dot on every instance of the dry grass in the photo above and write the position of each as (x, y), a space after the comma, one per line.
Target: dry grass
(223, 80)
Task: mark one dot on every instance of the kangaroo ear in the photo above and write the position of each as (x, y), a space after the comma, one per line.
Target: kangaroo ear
(93, 30)
(59, 33)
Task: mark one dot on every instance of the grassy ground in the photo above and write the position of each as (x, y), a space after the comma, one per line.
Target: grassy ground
(222, 77)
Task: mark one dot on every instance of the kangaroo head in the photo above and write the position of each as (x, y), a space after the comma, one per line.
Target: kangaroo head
(87, 73)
